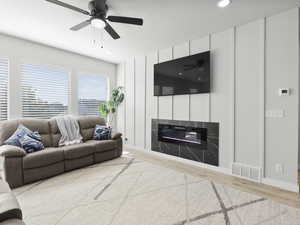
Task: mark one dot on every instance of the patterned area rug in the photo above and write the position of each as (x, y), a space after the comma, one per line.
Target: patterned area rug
(127, 191)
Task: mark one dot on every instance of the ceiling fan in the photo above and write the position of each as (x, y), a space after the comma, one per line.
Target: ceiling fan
(98, 17)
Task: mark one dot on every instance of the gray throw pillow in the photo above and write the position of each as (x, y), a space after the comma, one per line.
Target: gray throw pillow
(102, 133)
(30, 144)
(19, 133)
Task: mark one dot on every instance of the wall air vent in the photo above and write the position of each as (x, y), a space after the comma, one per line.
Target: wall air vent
(246, 171)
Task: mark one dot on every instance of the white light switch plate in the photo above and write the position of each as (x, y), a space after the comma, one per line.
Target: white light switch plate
(275, 113)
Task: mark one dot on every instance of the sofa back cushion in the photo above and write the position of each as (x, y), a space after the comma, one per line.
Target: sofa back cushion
(87, 126)
(48, 129)
(21, 132)
(42, 126)
(8, 127)
(55, 133)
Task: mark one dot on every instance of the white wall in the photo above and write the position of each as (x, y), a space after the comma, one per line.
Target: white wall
(282, 71)
(140, 97)
(21, 51)
(130, 101)
(249, 63)
(121, 110)
(249, 88)
(151, 100)
(222, 93)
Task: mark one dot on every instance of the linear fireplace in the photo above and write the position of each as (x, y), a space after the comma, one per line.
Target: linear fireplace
(182, 134)
(196, 141)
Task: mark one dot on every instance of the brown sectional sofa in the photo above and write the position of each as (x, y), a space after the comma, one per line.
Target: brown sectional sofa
(20, 168)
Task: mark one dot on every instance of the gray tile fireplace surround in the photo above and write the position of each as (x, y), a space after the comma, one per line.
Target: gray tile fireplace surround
(205, 150)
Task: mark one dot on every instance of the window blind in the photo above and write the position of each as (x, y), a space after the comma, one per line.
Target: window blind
(92, 91)
(3, 88)
(45, 91)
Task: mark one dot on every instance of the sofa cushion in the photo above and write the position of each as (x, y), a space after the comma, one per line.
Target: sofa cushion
(21, 132)
(78, 150)
(102, 146)
(41, 126)
(87, 126)
(7, 128)
(43, 158)
(55, 133)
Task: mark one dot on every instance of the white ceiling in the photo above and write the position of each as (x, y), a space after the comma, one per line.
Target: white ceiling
(166, 23)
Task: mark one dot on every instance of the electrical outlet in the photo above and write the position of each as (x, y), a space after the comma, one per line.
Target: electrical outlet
(279, 168)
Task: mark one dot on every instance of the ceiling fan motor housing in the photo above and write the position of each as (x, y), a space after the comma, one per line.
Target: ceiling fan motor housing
(98, 8)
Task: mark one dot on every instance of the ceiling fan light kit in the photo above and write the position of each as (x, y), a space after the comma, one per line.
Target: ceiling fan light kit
(98, 17)
(98, 23)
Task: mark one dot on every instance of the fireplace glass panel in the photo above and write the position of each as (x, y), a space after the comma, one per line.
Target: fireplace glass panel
(181, 134)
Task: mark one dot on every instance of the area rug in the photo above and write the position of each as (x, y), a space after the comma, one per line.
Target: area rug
(128, 191)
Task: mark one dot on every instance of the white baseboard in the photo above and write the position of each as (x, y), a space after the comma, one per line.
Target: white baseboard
(268, 181)
(281, 184)
(186, 161)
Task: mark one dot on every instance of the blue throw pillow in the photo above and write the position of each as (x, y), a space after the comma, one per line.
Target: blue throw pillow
(102, 133)
(30, 144)
(19, 133)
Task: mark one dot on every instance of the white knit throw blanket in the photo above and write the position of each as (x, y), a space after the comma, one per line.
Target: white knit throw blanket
(69, 129)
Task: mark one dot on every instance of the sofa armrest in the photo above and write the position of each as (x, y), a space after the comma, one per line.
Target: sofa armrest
(10, 151)
(116, 136)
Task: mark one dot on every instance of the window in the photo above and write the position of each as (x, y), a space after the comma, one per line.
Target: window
(45, 91)
(92, 92)
(3, 88)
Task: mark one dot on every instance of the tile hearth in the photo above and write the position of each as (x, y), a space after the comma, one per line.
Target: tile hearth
(128, 191)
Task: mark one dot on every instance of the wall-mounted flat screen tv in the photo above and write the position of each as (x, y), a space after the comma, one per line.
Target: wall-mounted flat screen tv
(187, 75)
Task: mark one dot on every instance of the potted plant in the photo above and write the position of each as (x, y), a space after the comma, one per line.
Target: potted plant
(109, 109)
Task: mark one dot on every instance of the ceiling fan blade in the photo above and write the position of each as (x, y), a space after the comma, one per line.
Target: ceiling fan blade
(111, 31)
(69, 6)
(81, 25)
(128, 20)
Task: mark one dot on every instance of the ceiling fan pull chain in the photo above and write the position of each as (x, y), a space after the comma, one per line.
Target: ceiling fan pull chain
(102, 39)
(93, 35)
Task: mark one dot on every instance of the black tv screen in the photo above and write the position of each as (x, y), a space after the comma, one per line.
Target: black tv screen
(187, 75)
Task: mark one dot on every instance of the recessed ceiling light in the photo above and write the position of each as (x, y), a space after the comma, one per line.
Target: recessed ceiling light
(224, 3)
